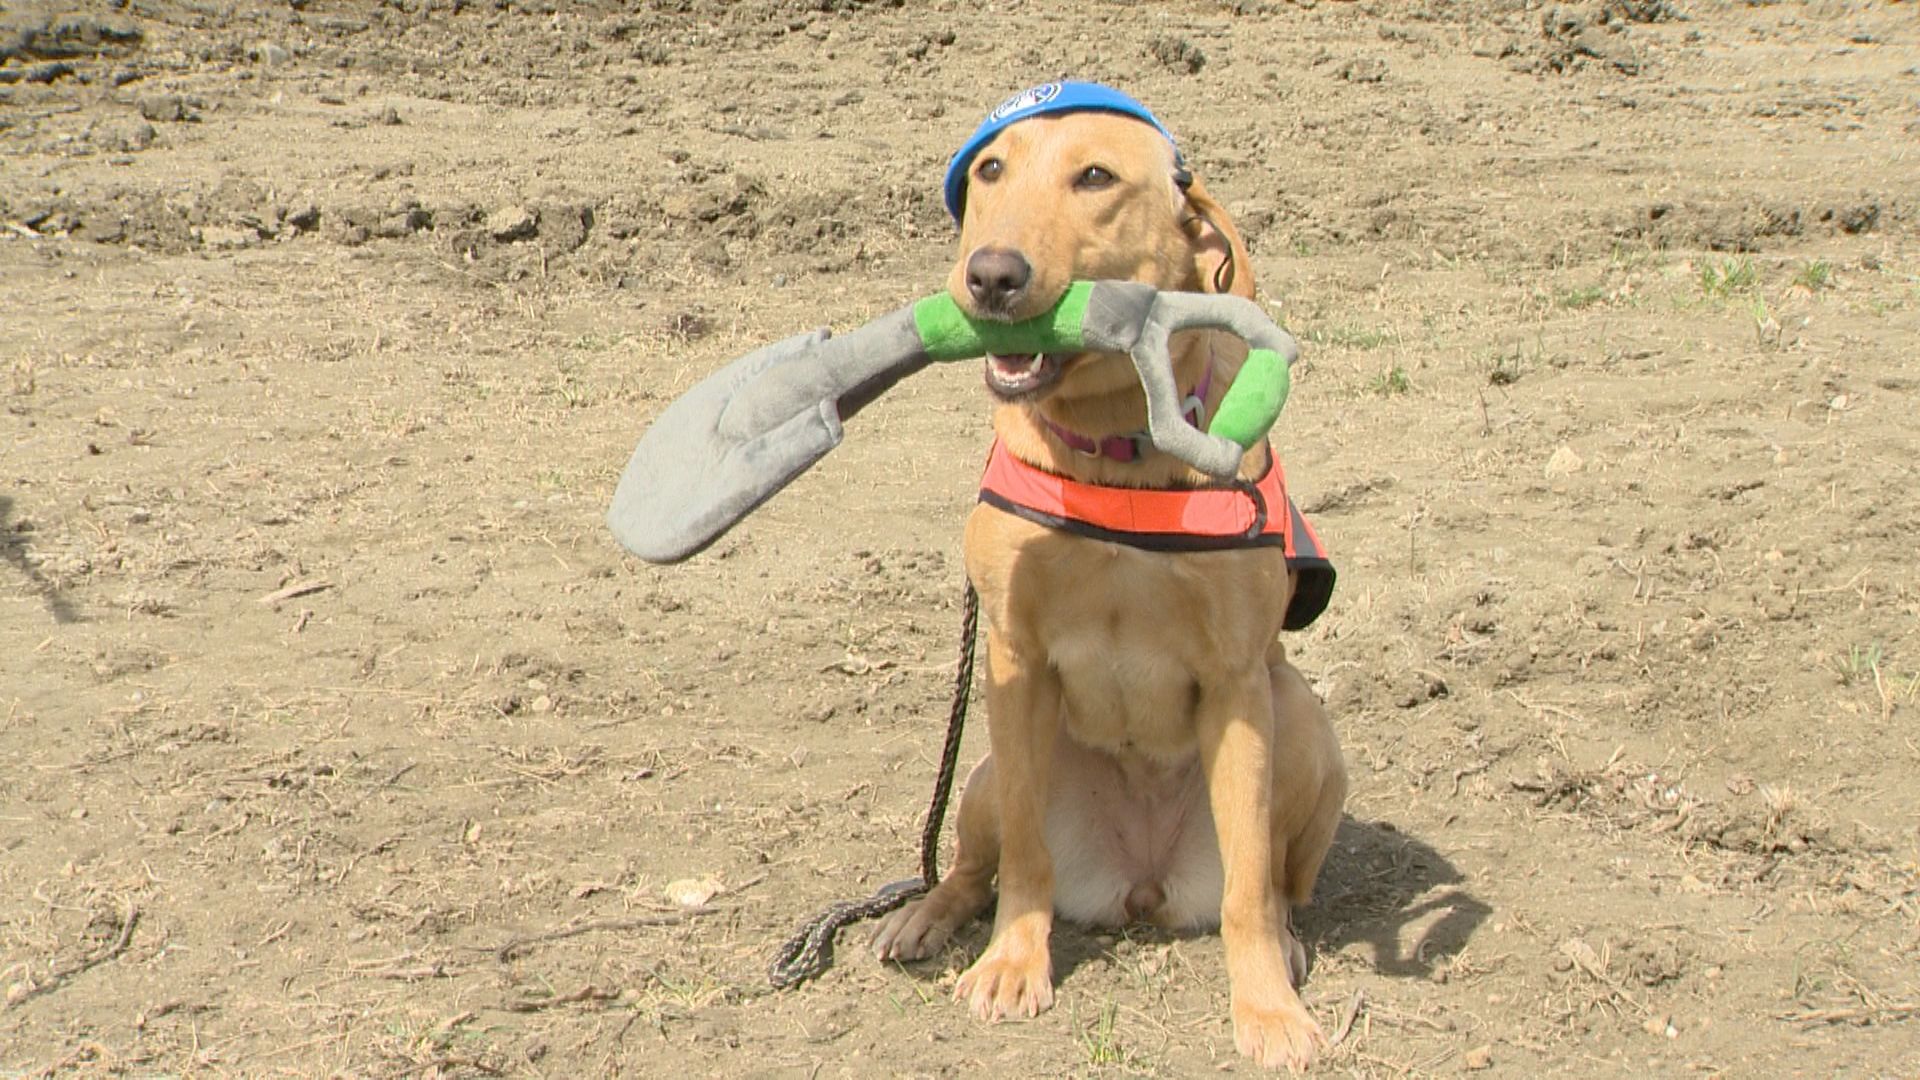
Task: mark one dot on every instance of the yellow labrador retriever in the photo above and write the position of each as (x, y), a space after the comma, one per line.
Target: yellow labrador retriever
(1153, 755)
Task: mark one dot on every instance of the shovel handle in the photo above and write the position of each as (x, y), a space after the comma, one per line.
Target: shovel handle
(1136, 319)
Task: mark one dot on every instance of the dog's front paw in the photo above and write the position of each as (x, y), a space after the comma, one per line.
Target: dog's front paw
(1281, 1035)
(914, 932)
(1008, 980)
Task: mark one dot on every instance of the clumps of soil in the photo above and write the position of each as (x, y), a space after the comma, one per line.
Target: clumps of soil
(1362, 69)
(1746, 227)
(513, 240)
(1578, 34)
(38, 49)
(397, 220)
(1177, 54)
(1756, 825)
(64, 37)
(166, 108)
(1573, 37)
(122, 134)
(231, 214)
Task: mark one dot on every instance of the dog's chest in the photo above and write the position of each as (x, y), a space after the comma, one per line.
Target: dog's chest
(1123, 692)
(1135, 637)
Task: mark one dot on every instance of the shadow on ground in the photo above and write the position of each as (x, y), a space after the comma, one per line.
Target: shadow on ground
(15, 550)
(1379, 882)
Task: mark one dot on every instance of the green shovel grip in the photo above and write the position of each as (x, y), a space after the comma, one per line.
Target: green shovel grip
(1253, 403)
(951, 334)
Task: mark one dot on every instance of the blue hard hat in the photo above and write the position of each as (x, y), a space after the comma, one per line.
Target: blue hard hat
(1054, 97)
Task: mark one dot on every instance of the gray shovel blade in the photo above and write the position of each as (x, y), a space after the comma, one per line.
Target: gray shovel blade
(746, 431)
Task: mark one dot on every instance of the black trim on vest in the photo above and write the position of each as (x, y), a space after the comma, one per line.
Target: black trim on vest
(1310, 596)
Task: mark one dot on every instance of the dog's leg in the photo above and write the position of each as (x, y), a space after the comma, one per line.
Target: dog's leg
(1014, 977)
(1310, 785)
(919, 929)
(1238, 730)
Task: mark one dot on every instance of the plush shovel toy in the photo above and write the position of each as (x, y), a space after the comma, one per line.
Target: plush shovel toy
(733, 441)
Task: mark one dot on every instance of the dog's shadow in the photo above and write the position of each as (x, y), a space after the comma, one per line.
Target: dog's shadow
(1379, 886)
(15, 551)
(1386, 888)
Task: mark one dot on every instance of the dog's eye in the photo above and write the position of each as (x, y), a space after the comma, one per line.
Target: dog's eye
(989, 169)
(1093, 178)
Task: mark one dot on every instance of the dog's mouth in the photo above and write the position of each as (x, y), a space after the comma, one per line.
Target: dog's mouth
(1022, 375)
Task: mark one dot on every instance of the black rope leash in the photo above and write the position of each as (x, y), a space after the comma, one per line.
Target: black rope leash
(809, 952)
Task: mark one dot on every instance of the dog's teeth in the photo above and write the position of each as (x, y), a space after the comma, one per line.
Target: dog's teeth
(1020, 364)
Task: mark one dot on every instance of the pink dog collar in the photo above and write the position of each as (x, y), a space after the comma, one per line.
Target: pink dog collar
(1132, 447)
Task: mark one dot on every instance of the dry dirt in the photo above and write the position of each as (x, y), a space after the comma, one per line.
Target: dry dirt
(338, 737)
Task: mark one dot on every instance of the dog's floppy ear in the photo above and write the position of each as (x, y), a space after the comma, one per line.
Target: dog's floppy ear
(1219, 255)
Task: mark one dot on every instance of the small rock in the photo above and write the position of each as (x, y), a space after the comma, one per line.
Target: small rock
(402, 222)
(123, 135)
(228, 236)
(1362, 69)
(1858, 219)
(511, 223)
(164, 108)
(1564, 462)
(387, 117)
(270, 54)
(304, 218)
(1478, 1058)
(1177, 54)
(712, 254)
(1493, 47)
(693, 892)
(1597, 43)
(564, 227)
(46, 74)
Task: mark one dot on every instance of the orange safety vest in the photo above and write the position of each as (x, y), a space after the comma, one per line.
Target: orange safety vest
(1213, 518)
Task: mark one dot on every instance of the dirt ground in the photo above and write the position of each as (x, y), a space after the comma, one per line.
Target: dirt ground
(337, 736)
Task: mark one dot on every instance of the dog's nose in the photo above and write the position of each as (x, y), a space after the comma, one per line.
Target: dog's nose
(996, 277)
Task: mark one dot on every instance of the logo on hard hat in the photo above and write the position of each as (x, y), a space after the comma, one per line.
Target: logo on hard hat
(1024, 100)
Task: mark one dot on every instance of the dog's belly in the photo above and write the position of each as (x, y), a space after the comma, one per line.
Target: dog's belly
(1128, 821)
(1132, 840)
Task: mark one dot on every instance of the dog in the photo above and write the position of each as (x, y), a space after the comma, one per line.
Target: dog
(1153, 756)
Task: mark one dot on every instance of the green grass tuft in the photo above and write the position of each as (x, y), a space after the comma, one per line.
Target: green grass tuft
(1815, 276)
(1348, 337)
(1101, 1045)
(1391, 382)
(1860, 664)
(1723, 278)
(1575, 299)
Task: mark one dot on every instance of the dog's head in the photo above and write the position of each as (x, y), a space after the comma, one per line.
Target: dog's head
(1080, 194)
